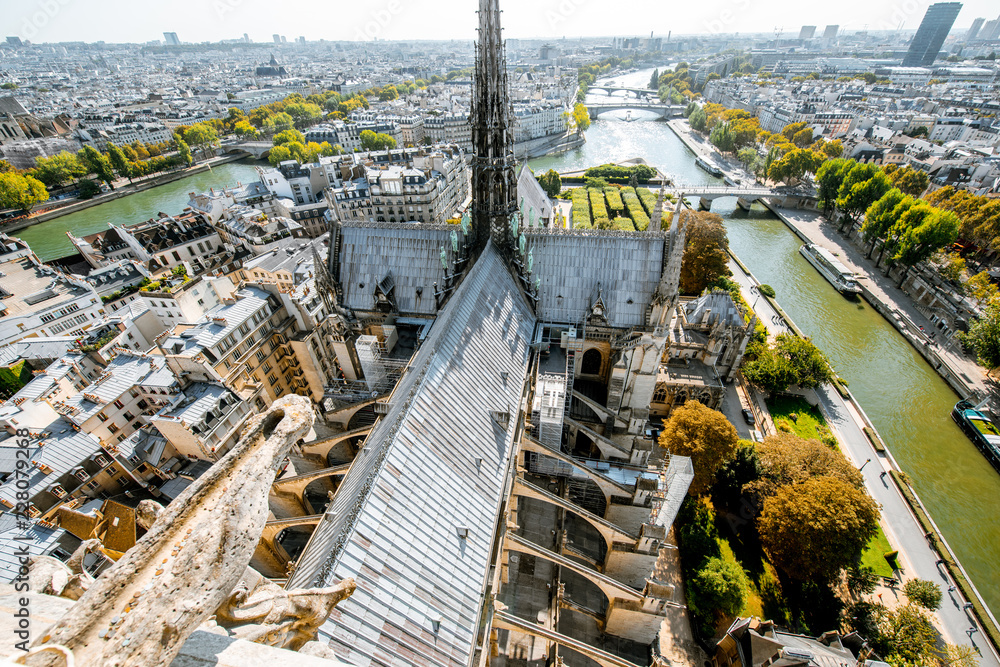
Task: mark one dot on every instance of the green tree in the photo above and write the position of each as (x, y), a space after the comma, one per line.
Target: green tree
(279, 154)
(287, 136)
(278, 122)
(791, 360)
(720, 586)
(924, 593)
(703, 434)
(905, 636)
(795, 164)
(984, 336)
(790, 130)
(863, 185)
(21, 191)
(880, 217)
(119, 162)
(58, 169)
(98, 163)
(654, 80)
(816, 528)
(698, 119)
(183, 150)
(927, 233)
(829, 178)
(748, 158)
(581, 118)
(376, 141)
(551, 182)
(706, 256)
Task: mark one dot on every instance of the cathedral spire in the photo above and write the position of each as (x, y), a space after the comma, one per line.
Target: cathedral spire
(494, 184)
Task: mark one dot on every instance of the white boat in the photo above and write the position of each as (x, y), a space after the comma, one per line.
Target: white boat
(831, 268)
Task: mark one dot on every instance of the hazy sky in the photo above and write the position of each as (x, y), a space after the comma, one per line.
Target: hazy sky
(212, 20)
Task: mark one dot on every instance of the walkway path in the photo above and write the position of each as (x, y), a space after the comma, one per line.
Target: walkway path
(901, 525)
(818, 230)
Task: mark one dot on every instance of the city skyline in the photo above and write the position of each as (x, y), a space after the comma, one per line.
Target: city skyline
(65, 21)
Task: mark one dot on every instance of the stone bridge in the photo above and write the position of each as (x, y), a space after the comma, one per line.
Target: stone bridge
(664, 111)
(259, 149)
(296, 484)
(745, 196)
(611, 90)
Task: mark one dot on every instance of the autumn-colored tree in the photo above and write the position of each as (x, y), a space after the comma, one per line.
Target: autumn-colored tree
(706, 257)
(984, 336)
(581, 117)
(287, 136)
(21, 191)
(785, 458)
(910, 181)
(981, 288)
(790, 130)
(703, 434)
(816, 528)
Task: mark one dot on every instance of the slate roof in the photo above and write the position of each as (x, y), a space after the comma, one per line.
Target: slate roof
(125, 371)
(38, 540)
(411, 252)
(717, 304)
(571, 265)
(394, 524)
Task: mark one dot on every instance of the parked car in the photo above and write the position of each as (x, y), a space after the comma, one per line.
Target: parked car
(748, 417)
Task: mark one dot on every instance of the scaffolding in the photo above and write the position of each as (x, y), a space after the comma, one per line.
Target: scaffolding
(671, 490)
(549, 409)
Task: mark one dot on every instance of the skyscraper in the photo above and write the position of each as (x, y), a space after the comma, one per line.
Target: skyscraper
(931, 34)
(171, 39)
(974, 30)
(807, 32)
(831, 32)
(990, 30)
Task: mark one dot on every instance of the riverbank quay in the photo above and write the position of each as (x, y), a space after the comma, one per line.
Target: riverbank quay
(961, 373)
(905, 520)
(119, 192)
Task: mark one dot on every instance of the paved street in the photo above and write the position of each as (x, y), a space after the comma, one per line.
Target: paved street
(901, 526)
(822, 233)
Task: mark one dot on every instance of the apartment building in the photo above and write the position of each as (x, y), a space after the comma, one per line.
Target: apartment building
(38, 300)
(184, 300)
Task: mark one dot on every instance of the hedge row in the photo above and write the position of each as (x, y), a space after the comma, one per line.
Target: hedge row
(615, 205)
(581, 209)
(622, 224)
(612, 172)
(872, 436)
(597, 207)
(635, 209)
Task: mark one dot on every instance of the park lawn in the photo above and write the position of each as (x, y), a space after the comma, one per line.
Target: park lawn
(809, 422)
(874, 555)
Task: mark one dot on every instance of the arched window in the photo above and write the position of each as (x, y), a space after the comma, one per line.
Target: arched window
(592, 361)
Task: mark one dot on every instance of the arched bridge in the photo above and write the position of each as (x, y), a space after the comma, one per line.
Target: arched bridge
(707, 194)
(663, 110)
(258, 149)
(611, 90)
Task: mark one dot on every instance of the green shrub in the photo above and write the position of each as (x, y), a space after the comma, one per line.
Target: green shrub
(581, 209)
(622, 224)
(615, 205)
(597, 207)
(767, 290)
(873, 438)
(613, 172)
